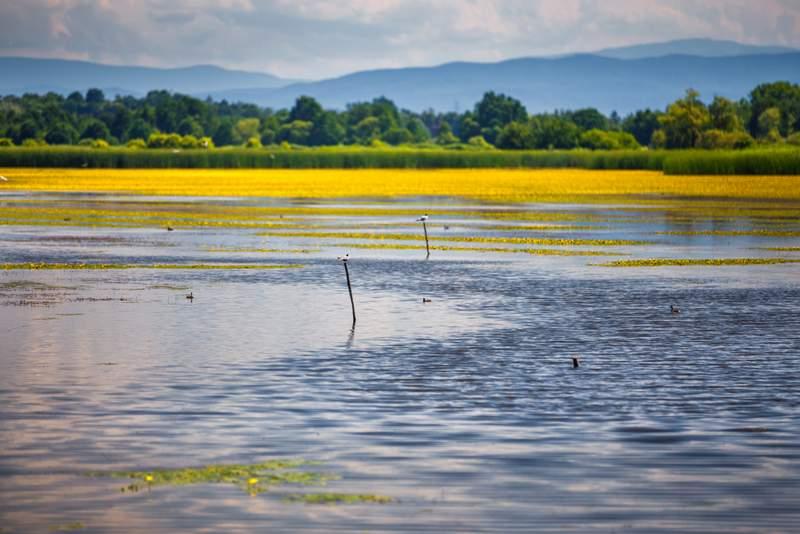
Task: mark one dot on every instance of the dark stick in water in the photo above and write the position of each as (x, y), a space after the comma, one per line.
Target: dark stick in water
(344, 259)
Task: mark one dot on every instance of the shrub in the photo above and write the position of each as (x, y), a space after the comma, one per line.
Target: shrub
(5, 141)
(31, 142)
(718, 139)
(479, 142)
(253, 142)
(136, 144)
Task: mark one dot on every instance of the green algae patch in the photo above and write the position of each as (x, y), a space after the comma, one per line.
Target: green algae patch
(735, 233)
(27, 285)
(531, 251)
(339, 498)
(120, 266)
(717, 262)
(251, 478)
(262, 250)
(460, 239)
(67, 527)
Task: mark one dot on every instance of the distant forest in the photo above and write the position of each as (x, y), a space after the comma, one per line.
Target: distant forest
(771, 115)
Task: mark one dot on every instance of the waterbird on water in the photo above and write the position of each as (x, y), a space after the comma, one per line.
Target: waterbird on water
(426, 300)
(673, 309)
(169, 228)
(190, 296)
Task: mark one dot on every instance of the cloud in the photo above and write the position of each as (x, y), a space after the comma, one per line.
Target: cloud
(321, 38)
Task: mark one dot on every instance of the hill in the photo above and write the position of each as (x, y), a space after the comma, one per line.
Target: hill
(19, 75)
(543, 84)
(692, 47)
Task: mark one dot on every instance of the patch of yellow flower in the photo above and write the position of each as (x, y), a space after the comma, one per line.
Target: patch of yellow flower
(496, 185)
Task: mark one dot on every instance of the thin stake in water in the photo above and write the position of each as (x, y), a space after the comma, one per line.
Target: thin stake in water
(344, 260)
(423, 219)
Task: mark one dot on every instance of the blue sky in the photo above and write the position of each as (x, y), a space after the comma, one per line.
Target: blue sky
(322, 38)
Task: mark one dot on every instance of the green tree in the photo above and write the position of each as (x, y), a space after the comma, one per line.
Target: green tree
(769, 123)
(306, 109)
(398, 136)
(139, 129)
(554, 132)
(95, 129)
(418, 130)
(785, 97)
(724, 115)
(515, 136)
(244, 129)
(95, 97)
(61, 134)
(685, 121)
(445, 135)
(641, 125)
(494, 111)
(296, 132)
(589, 119)
(190, 126)
(326, 130)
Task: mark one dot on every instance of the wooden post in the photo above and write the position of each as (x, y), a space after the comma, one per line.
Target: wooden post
(350, 290)
(427, 246)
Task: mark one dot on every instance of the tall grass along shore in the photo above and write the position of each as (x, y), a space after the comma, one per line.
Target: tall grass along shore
(675, 162)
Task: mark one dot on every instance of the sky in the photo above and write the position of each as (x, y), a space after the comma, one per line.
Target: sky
(313, 39)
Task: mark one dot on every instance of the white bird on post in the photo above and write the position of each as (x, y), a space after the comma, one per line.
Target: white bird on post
(423, 220)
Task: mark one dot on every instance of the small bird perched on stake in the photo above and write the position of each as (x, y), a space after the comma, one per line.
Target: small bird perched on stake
(344, 258)
(424, 219)
(190, 296)
(673, 309)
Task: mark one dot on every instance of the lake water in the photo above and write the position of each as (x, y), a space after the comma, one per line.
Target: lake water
(465, 410)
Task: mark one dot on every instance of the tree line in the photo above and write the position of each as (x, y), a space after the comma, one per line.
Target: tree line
(770, 115)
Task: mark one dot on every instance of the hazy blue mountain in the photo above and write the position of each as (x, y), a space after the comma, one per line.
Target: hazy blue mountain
(692, 47)
(544, 84)
(19, 75)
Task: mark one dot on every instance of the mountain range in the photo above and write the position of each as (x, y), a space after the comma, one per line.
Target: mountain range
(619, 79)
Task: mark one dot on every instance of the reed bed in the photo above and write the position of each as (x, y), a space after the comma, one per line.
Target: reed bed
(760, 161)
(324, 158)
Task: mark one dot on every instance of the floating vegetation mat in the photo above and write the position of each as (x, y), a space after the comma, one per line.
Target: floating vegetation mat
(673, 262)
(781, 249)
(532, 251)
(756, 233)
(262, 250)
(339, 498)
(112, 266)
(252, 478)
(67, 527)
(459, 239)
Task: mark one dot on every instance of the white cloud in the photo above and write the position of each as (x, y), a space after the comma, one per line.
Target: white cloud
(320, 38)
